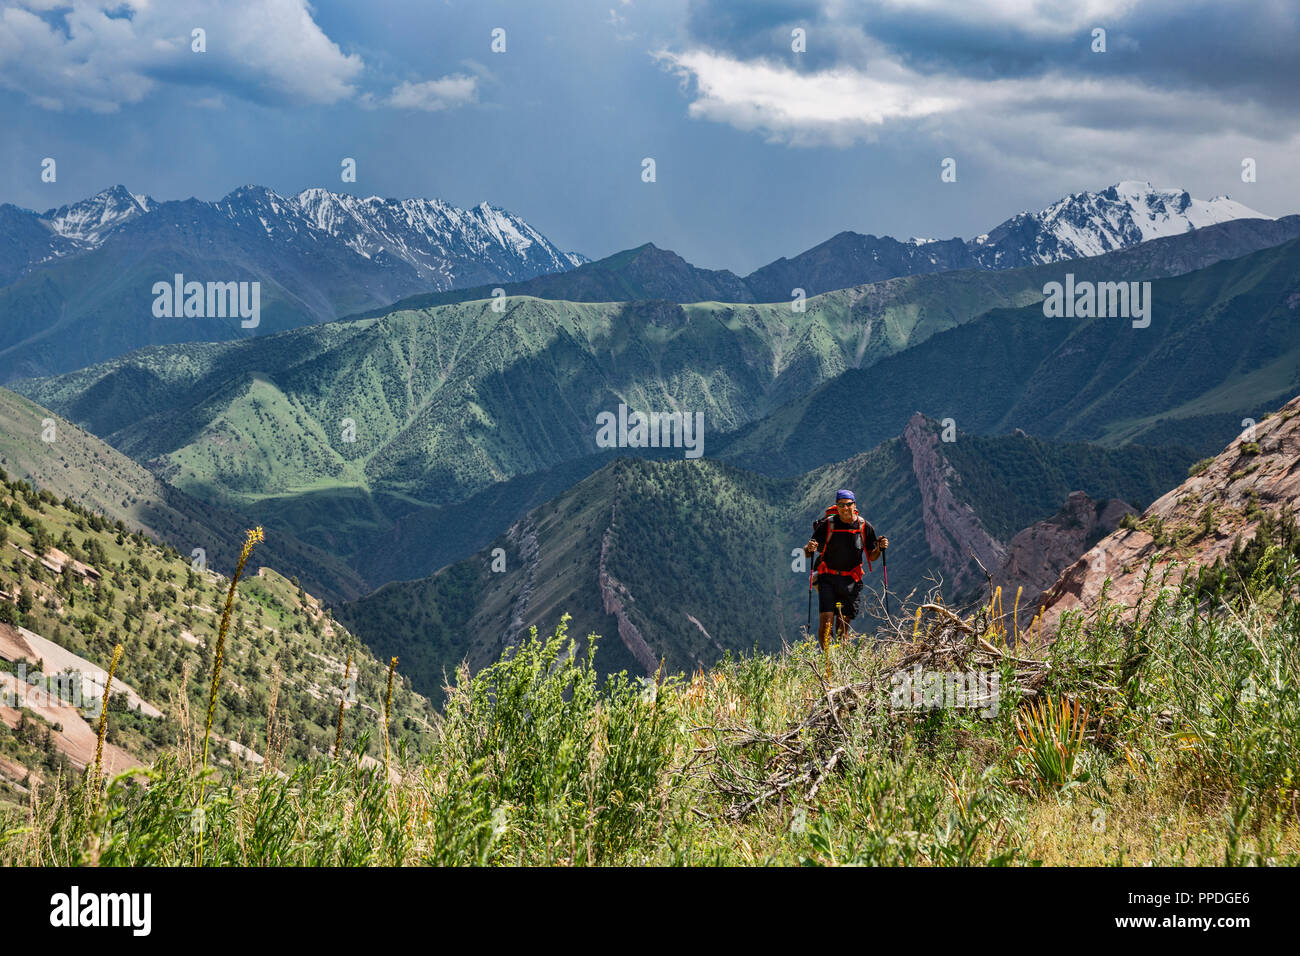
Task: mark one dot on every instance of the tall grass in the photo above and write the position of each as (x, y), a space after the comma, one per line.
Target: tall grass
(200, 810)
(388, 708)
(572, 772)
(96, 776)
(1051, 737)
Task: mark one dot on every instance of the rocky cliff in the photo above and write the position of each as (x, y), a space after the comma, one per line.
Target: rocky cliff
(1036, 556)
(952, 529)
(1258, 474)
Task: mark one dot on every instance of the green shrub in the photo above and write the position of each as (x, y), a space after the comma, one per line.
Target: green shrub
(577, 770)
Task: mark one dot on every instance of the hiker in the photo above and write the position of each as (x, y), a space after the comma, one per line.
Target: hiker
(838, 574)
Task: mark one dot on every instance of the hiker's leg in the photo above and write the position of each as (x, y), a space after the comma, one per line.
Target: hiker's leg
(825, 609)
(826, 620)
(850, 608)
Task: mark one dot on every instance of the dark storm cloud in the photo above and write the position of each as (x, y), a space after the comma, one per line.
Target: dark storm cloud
(1242, 50)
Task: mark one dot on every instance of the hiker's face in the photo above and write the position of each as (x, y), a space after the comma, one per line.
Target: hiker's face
(845, 509)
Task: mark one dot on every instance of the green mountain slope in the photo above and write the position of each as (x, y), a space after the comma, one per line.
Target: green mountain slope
(454, 401)
(74, 583)
(448, 402)
(315, 257)
(75, 464)
(1223, 345)
(685, 560)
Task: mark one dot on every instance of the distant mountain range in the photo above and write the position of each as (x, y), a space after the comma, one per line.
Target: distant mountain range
(77, 281)
(412, 442)
(462, 416)
(1082, 225)
(445, 245)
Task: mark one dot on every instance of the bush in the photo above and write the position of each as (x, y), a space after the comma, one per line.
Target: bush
(574, 768)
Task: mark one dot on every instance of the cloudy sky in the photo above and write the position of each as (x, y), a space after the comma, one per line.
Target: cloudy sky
(760, 151)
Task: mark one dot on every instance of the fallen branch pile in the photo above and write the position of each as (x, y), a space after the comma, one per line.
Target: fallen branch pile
(800, 758)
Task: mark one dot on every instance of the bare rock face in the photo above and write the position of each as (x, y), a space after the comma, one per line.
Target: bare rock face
(952, 529)
(1037, 555)
(1195, 523)
(617, 598)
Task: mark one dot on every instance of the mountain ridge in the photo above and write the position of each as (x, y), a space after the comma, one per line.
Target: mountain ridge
(1121, 217)
(71, 300)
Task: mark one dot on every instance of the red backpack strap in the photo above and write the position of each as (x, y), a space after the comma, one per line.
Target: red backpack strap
(862, 530)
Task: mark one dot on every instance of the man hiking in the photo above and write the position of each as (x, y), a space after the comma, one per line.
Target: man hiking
(844, 538)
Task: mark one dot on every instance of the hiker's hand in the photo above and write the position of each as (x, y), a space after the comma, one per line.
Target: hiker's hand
(882, 543)
(810, 547)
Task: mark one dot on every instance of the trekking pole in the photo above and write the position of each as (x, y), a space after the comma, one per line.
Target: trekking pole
(835, 632)
(810, 592)
(884, 570)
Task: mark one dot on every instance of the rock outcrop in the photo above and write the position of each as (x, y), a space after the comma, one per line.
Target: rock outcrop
(952, 529)
(616, 599)
(1037, 555)
(1197, 522)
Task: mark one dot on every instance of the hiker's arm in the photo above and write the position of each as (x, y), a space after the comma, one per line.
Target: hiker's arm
(882, 544)
(814, 543)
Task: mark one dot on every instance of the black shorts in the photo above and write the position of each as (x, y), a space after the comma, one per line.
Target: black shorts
(841, 588)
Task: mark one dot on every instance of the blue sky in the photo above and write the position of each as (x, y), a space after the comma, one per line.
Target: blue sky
(760, 151)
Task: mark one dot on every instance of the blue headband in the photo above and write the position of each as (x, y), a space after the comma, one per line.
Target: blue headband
(843, 494)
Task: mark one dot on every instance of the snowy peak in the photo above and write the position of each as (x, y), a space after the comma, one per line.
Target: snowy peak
(425, 243)
(426, 232)
(1093, 223)
(90, 220)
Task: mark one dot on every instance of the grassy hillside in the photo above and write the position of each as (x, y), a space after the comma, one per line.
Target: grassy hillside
(697, 554)
(75, 464)
(284, 655)
(1104, 748)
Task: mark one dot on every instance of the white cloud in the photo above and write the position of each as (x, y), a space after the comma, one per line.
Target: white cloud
(102, 54)
(432, 95)
(844, 105)
(836, 106)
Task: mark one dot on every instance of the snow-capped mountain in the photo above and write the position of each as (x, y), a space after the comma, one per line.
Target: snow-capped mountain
(428, 233)
(89, 221)
(318, 256)
(444, 245)
(1090, 224)
(1081, 225)
(76, 282)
